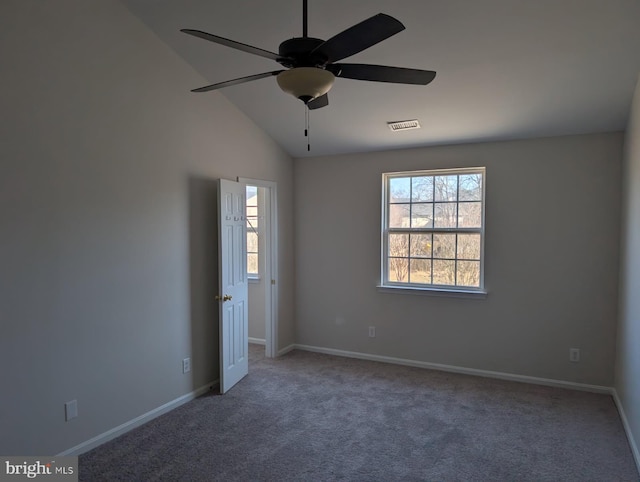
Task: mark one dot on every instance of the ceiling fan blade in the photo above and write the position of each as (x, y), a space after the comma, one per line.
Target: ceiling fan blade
(232, 43)
(241, 80)
(318, 102)
(382, 73)
(359, 37)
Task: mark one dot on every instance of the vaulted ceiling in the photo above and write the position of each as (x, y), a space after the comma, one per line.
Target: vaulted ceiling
(506, 69)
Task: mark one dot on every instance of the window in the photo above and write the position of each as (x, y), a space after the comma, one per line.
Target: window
(433, 229)
(253, 265)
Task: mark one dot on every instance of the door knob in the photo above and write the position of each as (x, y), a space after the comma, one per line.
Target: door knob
(223, 298)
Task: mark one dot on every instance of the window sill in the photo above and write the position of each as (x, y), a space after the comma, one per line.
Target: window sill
(253, 279)
(442, 292)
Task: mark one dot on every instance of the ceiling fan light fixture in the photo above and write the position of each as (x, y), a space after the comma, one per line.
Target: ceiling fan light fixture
(305, 83)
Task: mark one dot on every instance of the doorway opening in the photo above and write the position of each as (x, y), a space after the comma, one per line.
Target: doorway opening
(262, 265)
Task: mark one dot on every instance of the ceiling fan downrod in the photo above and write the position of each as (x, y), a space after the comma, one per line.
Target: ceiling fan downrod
(305, 26)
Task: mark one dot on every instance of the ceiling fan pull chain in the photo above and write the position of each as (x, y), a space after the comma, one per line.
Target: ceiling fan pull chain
(307, 130)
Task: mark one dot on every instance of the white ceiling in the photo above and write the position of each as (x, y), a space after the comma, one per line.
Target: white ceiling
(506, 68)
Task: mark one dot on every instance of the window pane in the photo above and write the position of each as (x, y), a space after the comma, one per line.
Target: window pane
(252, 224)
(422, 215)
(421, 245)
(444, 246)
(399, 189)
(399, 215)
(252, 196)
(399, 245)
(252, 263)
(422, 188)
(443, 272)
(445, 215)
(446, 188)
(470, 215)
(468, 273)
(420, 271)
(252, 242)
(252, 211)
(471, 187)
(398, 269)
(468, 246)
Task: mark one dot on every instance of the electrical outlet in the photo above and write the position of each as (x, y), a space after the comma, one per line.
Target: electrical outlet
(574, 355)
(372, 332)
(186, 365)
(70, 410)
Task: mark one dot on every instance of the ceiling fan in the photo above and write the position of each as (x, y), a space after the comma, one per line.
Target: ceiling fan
(311, 63)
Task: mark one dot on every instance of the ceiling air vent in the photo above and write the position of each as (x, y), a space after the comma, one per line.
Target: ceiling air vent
(404, 125)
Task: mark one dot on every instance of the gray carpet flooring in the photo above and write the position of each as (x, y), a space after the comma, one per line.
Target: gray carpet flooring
(313, 417)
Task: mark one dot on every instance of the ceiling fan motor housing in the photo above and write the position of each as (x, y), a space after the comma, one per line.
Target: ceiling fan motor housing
(297, 52)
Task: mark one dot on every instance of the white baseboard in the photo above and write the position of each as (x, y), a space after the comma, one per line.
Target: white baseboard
(287, 349)
(136, 422)
(627, 429)
(465, 371)
(257, 341)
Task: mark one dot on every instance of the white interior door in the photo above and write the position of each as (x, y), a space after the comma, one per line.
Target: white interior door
(233, 296)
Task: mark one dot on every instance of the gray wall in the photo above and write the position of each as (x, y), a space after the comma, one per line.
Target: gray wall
(552, 236)
(107, 221)
(257, 300)
(628, 350)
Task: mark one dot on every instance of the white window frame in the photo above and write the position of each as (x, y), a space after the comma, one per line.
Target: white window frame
(421, 288)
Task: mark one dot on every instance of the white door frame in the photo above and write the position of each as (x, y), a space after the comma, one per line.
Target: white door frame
(271, 261)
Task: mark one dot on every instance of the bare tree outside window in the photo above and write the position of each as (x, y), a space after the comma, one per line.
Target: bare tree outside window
(398, 257)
